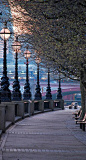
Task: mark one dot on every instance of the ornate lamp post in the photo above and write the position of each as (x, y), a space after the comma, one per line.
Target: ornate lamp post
(48, 90)
(38, 95)
(59, 95)
(27, 93)
(5, 92)
(16, 94)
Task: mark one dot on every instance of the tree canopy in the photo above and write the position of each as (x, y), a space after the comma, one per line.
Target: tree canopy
(54, 28)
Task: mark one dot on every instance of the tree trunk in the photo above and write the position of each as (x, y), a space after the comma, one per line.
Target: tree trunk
(83, 101)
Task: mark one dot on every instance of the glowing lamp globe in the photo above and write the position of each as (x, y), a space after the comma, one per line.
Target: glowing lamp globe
(27, 54)
(38, 60)
(16, 45)
(5, 33)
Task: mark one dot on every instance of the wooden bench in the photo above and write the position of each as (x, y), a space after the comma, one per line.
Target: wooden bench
(77, 118)
(82, 123)
(76, 113)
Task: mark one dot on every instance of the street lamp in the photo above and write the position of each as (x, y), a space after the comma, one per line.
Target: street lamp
(59, 95)
(5, 92)
(38, 95)
(16, 94)
(27, 93)
(48, 90)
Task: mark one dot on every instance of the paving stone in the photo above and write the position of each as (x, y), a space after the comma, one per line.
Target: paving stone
(47, 136)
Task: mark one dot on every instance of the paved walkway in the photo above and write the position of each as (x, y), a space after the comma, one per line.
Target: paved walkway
(47, 136)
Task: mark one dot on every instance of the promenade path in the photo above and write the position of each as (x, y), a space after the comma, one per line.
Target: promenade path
(47, 136)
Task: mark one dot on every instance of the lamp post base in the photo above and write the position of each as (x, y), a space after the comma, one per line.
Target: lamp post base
(5, 91)
(16, 93)
(16, 96)
(27, 96)
(59, 95)
(27, 93)
(38, 96)
(48, 94)
(5, 96)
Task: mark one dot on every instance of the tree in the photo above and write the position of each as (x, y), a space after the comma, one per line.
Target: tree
(56, 28)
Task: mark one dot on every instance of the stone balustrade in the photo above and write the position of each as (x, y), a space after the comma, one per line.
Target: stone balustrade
(10, 112)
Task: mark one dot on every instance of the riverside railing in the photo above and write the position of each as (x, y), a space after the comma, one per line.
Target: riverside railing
(11, 112)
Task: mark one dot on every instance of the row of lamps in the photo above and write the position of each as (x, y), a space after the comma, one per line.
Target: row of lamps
(16, 93)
